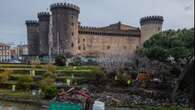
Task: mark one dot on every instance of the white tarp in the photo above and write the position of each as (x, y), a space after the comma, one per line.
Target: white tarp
(98, 105)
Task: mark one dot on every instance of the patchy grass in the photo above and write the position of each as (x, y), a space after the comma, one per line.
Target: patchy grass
(148, 107)
(82, 74)
(16, 94)
(166, 108)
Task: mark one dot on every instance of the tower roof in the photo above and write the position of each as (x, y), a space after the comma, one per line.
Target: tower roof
(43, 14)
(64, 5)
(151, 19)
(31, 22)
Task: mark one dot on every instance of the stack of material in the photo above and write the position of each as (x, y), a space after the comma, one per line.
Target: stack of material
(72, 99)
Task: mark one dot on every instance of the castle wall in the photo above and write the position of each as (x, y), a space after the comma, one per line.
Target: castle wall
(108, 45)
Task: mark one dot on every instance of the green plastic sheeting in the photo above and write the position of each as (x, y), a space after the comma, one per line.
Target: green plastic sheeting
(64, 106)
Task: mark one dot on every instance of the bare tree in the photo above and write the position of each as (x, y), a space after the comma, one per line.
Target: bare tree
(114, 60)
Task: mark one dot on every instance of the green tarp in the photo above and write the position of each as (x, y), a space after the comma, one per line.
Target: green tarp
(64, 106)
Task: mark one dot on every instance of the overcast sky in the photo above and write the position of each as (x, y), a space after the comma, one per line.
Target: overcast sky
(13, 13)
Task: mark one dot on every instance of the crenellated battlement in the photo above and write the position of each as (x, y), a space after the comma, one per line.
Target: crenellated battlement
(151, 19)
(31, 22)
(64, 5)
(91, 28)
(106, 31)
(43, 14)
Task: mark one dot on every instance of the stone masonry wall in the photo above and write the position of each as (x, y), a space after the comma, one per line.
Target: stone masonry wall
(125, 45)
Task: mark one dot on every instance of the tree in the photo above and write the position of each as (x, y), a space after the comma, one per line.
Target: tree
(121, 78)
(178, 44)
(60, 60)
(179, 48)
(24, 83)
(113, 62)
(50, 92)
(47, 84)
(76, 61)
(4, 76)
(48, 87)
(188, 69)
(99, 75)
(50, 70)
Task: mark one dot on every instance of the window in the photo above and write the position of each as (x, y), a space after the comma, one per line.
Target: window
(158, 28)
(72, 44)
(78, 40)
(72, 34)
(83, 40)
(72, 24)
(84, 47)
(108, 47)
(79, 48)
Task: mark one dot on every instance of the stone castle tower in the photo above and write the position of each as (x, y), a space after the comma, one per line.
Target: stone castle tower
(33, 37)
(44, 18)
(61, 33)
(64, 28)
(150, 25)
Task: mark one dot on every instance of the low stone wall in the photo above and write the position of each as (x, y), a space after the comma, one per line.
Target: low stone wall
(35, 101)
(113, 108)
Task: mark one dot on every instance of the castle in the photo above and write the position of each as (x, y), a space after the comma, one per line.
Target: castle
(60, 32)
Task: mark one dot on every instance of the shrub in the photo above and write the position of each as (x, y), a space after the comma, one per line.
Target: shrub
(100, 76)
(60, 60)
(5, 75)
(121, 78)
(50, 68)
(24, 83)
(50, 92)
(45, 82)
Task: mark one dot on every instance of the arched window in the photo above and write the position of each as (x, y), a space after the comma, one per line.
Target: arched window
(79, 47)
(72, 44)
(78, 40)
(125, 47)
(108, 47)
(158, 28)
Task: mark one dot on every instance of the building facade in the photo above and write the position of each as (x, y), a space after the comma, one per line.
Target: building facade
(5, 53)
(18, 52)
(60, 32)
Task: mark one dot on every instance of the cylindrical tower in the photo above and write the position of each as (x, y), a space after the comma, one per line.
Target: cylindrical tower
(32, 37)
(43, 32)
(150, 25)
(64, 28)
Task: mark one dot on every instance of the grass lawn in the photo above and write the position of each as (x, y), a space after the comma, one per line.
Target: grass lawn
(41, 67)
(16, 94)
(21, 69)
(81, 74)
